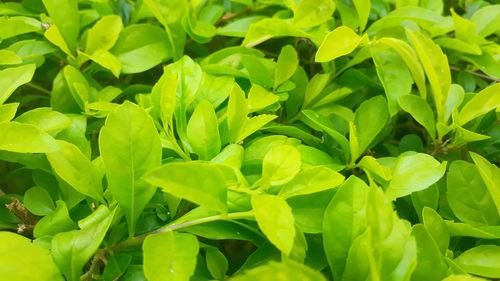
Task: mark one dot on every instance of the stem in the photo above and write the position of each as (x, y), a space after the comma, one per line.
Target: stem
(177, 148)
(94, 265)
(135, 241)
(475, 73)
(38, 88)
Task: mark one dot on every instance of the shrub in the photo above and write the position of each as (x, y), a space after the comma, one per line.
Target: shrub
(249, 140)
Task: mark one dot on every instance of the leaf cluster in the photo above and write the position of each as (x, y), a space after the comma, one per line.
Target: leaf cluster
(249, 140)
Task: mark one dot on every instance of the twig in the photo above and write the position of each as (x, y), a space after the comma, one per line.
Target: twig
(94, 266)
(454, 68)
(28, 219)
(135, 241)
(38, 88)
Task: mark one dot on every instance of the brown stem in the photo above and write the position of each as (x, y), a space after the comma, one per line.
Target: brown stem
(28, 219)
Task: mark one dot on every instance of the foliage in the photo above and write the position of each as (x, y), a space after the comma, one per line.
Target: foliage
(249, 140)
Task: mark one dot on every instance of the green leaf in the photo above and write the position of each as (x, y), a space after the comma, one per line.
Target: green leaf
(430, 264)
(386, 249)
(237, 110)
(21, 260)
(104, 34)
(414, 172)
(64, 14)
(254, 124)
(287, 64)
(428, 20)
(54, 36)
(128, 152)
(490, 174)
(437, 229)
(25, 138)
(284, 271)
(276, 221)
(393, 73)
(343, 221)
(339, 42)
(8, 111)
(182, 180)
(45, 119)
(38, 201)
(268, 28)
(410, 58)
(260, 98)
(487, 19)
(55, 222)
(481, 260)
(73, 167)
(72, 250)
(468, 196)
(203, 131)
(168, 99)
(141, 47)
(463, 277)
(280, 165)
(313, 12)
(15, 26)
(323, 124)
(311, 180)
(9, 57)
(12, 78)
(436, 68)
(78, 85)
(170, 256)
(106, 60)
(369, 119)
(363, 8)
(217, 263)
(481, 103)
(421, 111)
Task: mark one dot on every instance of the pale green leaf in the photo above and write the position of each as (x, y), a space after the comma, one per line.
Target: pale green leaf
(203, 131)
(435, 64)
(25, 138)
(280, 165)
(481, 260)
(104, 34)
(72, 250)
(12, 78)
(339, 42)
(128, 152)
(73, 167)
(414, 172)
(369, 119)
(141, 47)
(22, 260)
(170, 256)
(287, 64)
(8, 111)
(490, 174)
(310, 13)
(64, 14)
(312, 180)
(284, 271)
(276, 221)
(421, 111)
(183, 180)
(481, 103)
(260, 98)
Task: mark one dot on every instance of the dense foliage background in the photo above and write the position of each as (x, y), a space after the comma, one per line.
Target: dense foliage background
(249, 140)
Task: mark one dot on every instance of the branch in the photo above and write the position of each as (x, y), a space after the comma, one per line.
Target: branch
(135, 241)
(475, 73)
